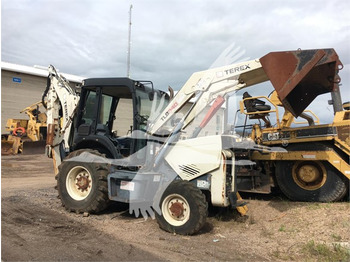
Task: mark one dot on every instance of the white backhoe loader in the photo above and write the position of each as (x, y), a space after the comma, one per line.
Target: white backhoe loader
(155, 168)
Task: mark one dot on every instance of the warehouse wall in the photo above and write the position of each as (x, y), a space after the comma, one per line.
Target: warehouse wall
(18, 91)
(124, 117)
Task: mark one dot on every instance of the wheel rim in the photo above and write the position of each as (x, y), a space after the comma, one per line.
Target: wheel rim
(176, 210)
(309, 175)
(79, 183)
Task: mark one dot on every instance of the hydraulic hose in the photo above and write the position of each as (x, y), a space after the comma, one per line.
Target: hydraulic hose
(48, 84)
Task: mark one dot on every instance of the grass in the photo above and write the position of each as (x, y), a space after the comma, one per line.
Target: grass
(324, 252)
(312, 251)
(281, 255)
(282, 228)
(316, 206)
(336, 237)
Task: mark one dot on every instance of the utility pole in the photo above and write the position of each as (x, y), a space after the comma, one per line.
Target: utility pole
(129, 45)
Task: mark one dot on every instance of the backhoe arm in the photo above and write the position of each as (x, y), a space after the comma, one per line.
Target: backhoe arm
(61, 104)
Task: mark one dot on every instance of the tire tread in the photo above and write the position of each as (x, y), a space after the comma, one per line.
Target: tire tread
(101, 201)
(185, 187)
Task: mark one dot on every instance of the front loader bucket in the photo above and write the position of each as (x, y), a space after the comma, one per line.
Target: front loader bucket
(33, 147)
(6, 147)
(11, 145)
(300, 76)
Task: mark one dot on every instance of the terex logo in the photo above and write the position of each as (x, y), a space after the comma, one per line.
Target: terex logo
(168, 112)
(237, 69)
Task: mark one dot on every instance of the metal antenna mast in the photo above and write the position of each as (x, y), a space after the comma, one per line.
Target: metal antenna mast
(129, 45)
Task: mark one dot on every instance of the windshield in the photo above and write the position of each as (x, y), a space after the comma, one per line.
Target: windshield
(149, 105)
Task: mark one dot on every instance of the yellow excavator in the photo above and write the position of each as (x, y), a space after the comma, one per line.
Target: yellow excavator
(26, 136)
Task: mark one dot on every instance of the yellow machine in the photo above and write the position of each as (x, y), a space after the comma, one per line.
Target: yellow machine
(315, 166)
(32, 132)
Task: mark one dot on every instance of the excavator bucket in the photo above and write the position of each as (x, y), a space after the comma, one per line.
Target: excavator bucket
(300, 76)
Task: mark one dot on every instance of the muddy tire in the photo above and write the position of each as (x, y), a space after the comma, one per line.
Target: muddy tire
(184, 208)
(82, 186)
(310, 181)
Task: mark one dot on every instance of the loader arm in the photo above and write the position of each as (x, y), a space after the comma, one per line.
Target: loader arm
(61, 105)
(297, 76)
(206, 86)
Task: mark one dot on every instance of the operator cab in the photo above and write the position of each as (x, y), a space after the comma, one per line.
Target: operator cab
(109, 110)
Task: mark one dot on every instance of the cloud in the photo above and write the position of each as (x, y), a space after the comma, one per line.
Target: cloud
(170, 39)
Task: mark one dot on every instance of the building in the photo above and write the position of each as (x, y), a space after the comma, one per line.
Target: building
(22, 86)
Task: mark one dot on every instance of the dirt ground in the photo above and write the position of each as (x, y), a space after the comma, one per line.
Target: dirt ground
(34, 226)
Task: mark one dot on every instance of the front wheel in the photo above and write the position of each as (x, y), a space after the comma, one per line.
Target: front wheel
(184, 208)
(310, 181)
(82, 186)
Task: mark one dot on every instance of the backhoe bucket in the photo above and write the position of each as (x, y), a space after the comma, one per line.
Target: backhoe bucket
(300, 76)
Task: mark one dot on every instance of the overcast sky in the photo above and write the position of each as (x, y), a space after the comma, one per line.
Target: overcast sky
(170, 39)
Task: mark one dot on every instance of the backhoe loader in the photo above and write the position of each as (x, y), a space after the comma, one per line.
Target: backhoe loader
(26, 135)
(152, 167)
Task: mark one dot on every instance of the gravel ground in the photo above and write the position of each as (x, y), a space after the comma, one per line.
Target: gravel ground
(36, 227)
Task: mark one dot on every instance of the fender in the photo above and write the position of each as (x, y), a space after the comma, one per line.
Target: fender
(99, 143)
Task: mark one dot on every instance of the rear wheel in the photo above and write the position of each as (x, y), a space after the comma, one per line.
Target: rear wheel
(310, 181)
(184, 208)
(82, 186)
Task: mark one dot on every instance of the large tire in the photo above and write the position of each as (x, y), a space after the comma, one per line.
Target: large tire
(310, 181)
(82, 187)
(184, 208)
